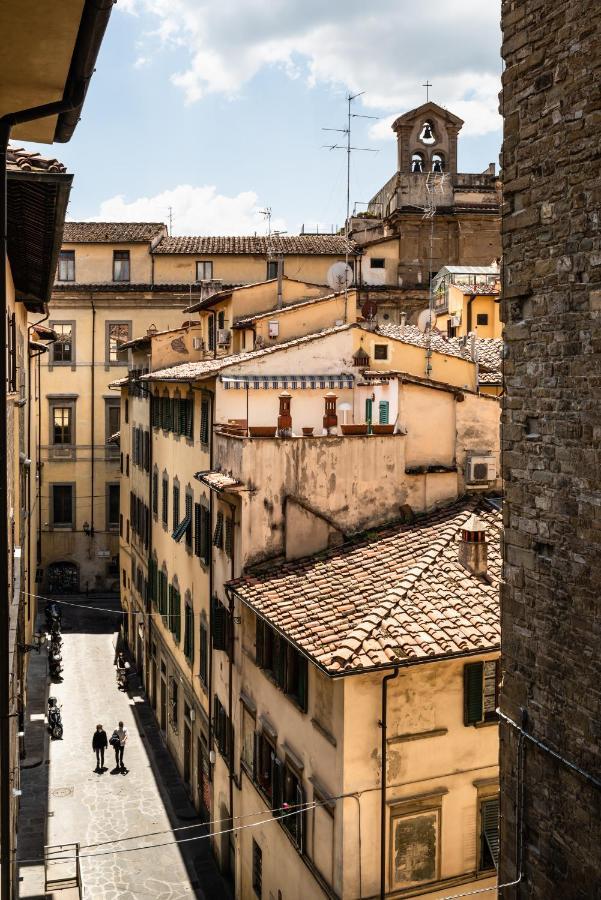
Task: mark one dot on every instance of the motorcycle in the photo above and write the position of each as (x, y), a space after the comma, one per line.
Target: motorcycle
(55, 662)
(55, 723)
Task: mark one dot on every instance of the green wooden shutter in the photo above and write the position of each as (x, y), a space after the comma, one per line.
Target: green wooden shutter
(259, 642)
(204, 421)
(280, 661)
(219, 627)
(299, 818)
(205, 546)
(473, 674)
(177, 615)
(277, 778)
(303, 679)
(383, 412)
(368, 411)
(489, 812)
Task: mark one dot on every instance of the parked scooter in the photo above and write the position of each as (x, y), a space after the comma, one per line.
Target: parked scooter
(53, 615)
(55, 662)
(55, 722)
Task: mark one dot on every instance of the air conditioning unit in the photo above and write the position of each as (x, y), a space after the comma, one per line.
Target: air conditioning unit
(223, 336)
(198, 343)
(481, 469)
(59, 452)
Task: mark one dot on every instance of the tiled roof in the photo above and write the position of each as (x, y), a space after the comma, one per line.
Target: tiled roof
(259, 245)
(19, 159)
(490, 378)
(126, 287)
(111, 232)
(227, 291)
(192, 370)
(270, 313)
(396, 594)
(410, 334)
(490, 354)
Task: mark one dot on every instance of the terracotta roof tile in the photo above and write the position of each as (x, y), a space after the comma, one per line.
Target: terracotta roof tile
(389, 595)
(111, 232)
(259, 245)
(20, 160)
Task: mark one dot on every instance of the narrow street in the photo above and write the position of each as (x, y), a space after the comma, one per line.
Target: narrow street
(65, 800)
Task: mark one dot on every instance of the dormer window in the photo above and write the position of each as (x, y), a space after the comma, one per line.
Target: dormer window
(426, 135)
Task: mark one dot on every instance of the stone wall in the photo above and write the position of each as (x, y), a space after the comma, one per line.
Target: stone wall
(551, 600)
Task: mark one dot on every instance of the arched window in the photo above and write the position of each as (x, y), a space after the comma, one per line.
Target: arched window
(427, 135)
(417, 162)
(437, 162)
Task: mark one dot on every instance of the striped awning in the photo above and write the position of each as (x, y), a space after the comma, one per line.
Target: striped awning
(287, 382)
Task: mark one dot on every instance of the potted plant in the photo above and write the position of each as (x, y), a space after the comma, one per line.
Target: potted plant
(308, 432)
(382, 429)
(354, 429)
(263, 430)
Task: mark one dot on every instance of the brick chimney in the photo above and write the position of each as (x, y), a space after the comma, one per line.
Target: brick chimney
(472, 546)
(330, 419)
(284, 418)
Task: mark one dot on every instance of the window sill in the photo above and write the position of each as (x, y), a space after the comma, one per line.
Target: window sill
(486, 724)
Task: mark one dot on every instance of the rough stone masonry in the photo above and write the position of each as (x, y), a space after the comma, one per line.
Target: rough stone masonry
(551, 598)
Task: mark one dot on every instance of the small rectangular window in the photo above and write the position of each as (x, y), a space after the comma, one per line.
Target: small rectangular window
(377, 263)
(66, 265)
(489, 833)
(112, 504)
(482, 319)
(480, 692)
(257, 869)
(62, 424)
(117, 334)
(62, 505)
(204, 270)
(62, 349)
(381, 351)
(120, 265)
(272, 269)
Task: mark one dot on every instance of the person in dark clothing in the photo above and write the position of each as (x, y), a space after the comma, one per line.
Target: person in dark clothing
(118, 742)
(99, 744)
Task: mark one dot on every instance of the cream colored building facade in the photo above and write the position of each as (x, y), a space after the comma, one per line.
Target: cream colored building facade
(306, 488)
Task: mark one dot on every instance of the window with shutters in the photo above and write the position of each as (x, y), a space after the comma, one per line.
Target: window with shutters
(218, 534)
(175, 504)
(156, 411)
(480, 692)
(293, 799)
(257, 869)
(173, 704)
(204, 420)
(197, 527)
(265, 764)
(489, 834)
(165, 500)
(369, 411)
(175, 613)
(229, 537)
(383, 412)
(249, 726)
(146, 460)
(222, 729)
(205, 537)
(204, 650)
(188, 519)
(415, 847)
(155, 492)
(282, 662)
(222, 627)
(189, 634)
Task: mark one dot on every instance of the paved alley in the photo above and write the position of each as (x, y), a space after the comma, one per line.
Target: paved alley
(64, 800)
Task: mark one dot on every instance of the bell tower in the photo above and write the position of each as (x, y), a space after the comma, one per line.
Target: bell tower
(427, 140)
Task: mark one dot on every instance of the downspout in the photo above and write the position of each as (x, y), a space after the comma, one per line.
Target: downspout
(384, 725)
(211, 579)
(230, 687)
(92, 447)
(148, 601)
(469, 314)
(6, 123)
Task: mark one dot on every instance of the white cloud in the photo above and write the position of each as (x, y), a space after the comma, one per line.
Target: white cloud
(388, 48)
(195, 210)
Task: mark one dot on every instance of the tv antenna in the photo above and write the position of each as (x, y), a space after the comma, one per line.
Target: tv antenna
(349, 149)
(267, 213)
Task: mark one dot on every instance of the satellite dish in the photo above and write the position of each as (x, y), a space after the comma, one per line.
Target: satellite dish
(340, 276)
(426, 320)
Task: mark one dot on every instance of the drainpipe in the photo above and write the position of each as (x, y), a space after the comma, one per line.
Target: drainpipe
(211, 579)
(92, 399)
(384, 726)
(6, 800)
(469, 314)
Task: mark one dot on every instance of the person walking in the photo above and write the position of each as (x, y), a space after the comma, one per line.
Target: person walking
(99, 744)
(119, 740)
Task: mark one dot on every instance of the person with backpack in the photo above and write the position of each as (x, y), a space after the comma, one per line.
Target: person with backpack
(99, 744)
(118, 742)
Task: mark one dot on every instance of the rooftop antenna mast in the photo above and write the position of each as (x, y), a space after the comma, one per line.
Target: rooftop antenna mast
(170, 210)
(349, 149)
(272, 255)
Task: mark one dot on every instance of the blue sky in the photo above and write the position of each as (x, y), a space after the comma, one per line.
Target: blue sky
(217, 110)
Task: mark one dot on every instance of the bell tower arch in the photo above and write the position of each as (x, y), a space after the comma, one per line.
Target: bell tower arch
(427, 140)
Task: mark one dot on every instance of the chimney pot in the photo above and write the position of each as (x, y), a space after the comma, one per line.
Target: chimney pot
(330, 419)
(473, 549)
(284, 418)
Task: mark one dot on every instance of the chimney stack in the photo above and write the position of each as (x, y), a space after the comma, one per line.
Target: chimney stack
(330, 419)
(284, 418)
(473, 553)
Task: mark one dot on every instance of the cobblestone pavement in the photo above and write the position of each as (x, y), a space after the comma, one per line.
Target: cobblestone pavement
(64, 800)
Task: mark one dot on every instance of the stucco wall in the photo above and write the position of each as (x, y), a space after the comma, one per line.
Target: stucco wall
(94, 262)
(232, 269)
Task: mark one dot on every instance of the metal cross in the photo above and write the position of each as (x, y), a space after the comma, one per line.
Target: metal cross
(427, 86)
